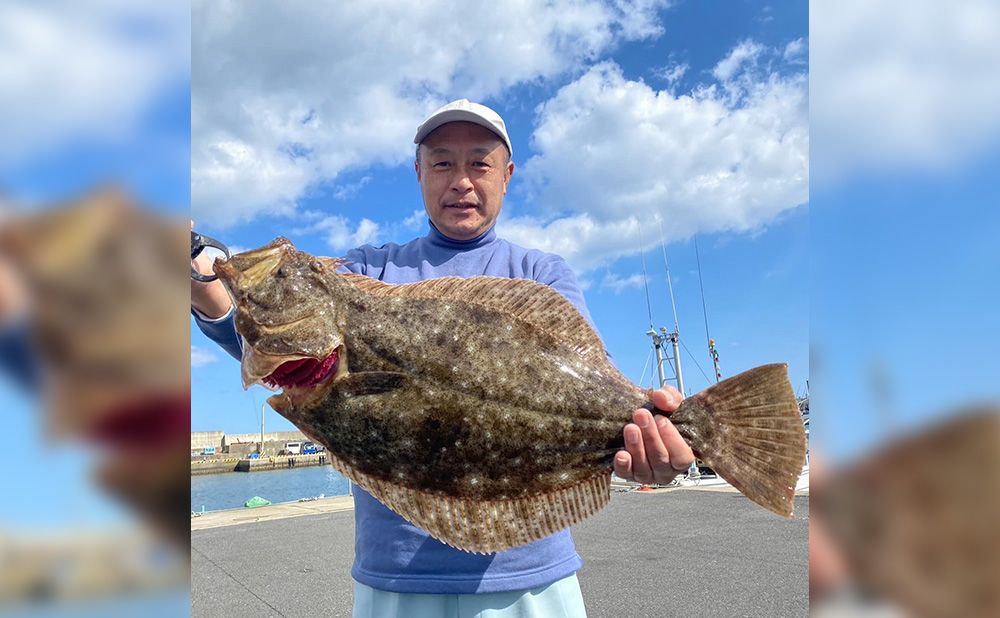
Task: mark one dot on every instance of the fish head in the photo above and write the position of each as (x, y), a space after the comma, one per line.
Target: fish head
(287, 314)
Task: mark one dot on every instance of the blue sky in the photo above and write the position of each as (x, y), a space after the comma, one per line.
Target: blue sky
(129, 124)
(904, 293)
(753, 242)
(904, 260)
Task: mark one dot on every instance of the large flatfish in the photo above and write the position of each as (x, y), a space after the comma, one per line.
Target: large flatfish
(107, 282)
(483, 410)
(917, 521)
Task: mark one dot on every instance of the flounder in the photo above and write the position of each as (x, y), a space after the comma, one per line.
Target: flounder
(483, 410)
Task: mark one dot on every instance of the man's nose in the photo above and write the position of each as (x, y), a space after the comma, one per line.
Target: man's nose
(460, 180)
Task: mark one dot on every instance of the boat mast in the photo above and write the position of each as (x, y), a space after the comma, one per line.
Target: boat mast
(662, 336)
(675, 336)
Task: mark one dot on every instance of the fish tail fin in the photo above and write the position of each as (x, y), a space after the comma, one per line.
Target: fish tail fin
(748, 429)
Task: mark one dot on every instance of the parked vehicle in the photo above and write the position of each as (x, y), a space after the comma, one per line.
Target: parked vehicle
(208, 450)
(293, 448)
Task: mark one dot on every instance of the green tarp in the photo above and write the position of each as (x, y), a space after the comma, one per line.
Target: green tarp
(256, 501)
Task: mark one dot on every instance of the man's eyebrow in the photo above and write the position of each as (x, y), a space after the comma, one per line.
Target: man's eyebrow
(482, 150)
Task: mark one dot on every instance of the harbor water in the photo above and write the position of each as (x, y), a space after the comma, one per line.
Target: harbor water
(215, 492)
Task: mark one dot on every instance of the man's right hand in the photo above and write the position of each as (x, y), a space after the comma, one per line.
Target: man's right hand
(210, 299)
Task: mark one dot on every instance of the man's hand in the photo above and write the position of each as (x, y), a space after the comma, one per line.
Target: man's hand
(210, 299)
(13, 296)
(654, 451)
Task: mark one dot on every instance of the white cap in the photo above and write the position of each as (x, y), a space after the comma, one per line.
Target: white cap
(464, 110)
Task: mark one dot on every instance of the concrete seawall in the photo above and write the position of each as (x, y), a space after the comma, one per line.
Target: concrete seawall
(281, 461)
(237, 464)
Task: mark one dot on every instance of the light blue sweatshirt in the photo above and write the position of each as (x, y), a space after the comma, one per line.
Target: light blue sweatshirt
(390, 553)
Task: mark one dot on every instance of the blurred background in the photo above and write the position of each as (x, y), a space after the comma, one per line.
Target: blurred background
(94, 194)
(904, 290)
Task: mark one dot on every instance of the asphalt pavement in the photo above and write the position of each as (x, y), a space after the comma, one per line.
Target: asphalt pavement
(687, 552)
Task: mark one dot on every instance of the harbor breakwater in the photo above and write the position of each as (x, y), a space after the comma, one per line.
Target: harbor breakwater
(217, 465)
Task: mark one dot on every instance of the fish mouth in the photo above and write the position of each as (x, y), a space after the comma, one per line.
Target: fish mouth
(291, 371)
(145, 424)
(304, 381)
(304, 372)
(272, 370)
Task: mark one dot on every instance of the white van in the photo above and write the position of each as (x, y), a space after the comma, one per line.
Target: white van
(293, 448)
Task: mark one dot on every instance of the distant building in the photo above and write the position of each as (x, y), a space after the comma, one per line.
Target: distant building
(242, 444)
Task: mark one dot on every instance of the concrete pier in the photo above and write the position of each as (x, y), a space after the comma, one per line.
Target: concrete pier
(281, 462)
(213, 465)
(239, 464)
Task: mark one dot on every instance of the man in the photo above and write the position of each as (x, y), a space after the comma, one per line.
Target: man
(463, 165)
(16, 356)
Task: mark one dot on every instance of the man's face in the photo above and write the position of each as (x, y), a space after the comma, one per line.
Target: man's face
(463, 171)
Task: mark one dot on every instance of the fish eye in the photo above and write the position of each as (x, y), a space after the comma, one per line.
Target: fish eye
(282, 273)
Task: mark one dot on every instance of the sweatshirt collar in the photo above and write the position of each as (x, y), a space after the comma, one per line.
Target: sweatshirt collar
(436, 238)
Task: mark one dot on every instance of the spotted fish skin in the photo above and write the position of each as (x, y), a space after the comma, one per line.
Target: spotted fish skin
(484, 410)
(466, 401)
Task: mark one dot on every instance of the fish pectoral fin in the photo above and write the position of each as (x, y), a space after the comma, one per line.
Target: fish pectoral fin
(371, 383)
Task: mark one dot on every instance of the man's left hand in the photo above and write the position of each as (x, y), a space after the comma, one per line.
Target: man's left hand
(654, 451)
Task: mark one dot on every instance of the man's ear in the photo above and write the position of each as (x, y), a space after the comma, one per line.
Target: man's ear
(416, 168)
(510, 174)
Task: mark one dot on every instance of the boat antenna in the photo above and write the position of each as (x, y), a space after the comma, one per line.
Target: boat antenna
(704, 309)
(644, 368)
(670, 284)
(645, 279)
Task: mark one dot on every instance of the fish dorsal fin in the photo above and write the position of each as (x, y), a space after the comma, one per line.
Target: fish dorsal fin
(534, 303)
(491, 526)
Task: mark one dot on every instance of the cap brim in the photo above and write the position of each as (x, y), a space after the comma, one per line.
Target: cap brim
(457, 115)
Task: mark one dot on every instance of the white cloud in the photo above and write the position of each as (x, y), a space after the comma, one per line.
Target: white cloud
(637, 18)
(794, 50)
(614, 152)
(341, 235)
(346, 192)
(275, 113)
(201, 357)
(84, 71)
(899, 85)
(745, 52)
(672, 73)
(583, 241)
(620, 284)
(415, 221)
